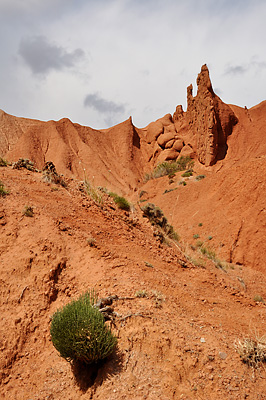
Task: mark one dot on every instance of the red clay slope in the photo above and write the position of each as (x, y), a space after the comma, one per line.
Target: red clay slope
(230, 202)
(176, 342)
(111, 158)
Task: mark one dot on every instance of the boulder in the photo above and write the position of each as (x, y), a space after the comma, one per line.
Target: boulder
(169, 144)
(187, 151)
(167, 155)
(165, 137)
(178, 144)
(156, 128)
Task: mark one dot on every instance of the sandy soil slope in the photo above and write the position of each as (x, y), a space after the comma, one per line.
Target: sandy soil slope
(178, 342)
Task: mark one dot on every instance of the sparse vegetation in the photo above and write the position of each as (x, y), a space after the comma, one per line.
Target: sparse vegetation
(200, 224)
(157, 218)
(50, 175)
(141, 293)
(120, 201)
(154, 294)
(196, 236)
(28, 211)
(252, 351)
(199, 177)
(187, 174)
(158, 298)
(184, 183)
(3, 190)
(148, 264)
(3, 162)
(91, 241)
(24, 163)
(197, 262)
(142, 192)
(258, 298)
(170, 168)
(93, 192)
(169, 190)
(208, 252)
(79, 333)
(199, 243)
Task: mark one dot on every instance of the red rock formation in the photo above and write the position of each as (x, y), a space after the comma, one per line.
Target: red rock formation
(210, 120)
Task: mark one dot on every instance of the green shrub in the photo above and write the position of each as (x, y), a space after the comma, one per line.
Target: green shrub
(79, 333)
(200, 177)
(28, 211)
(142, 193)
(187, 174)
(3, 190)
(157, 218)
(208, 253)
(121, 202)
(170, 168)
(3, 162)
(258, 298)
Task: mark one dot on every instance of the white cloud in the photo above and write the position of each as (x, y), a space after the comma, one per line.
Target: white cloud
(42, 56)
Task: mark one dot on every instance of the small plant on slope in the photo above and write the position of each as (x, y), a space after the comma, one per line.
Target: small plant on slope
(28, 211)
(79, 333)
(157, 218)
(3, 191)
(170, 168)
(93, 192)
(121, 202)
(3, 162)
(252, 351)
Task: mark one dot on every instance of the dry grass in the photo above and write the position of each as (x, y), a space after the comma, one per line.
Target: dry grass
(93, 192)
(91, 241)
(252, 351)
(3, 162)
(28, 211)
(141, 293)
(3, 190)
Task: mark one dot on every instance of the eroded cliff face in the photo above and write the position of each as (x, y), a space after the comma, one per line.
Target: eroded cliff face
(200, 132)
(210, 120)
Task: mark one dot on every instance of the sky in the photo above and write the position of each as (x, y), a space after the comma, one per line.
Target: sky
(98, 62)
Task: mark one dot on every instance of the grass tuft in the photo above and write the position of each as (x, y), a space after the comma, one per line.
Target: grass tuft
(170, 168)
(120, 201)
(3, 190)
(79, 333)
(258, 298)
(93, 192)
(199, 177)
(3, 162)
(252, 351)
(28, 211)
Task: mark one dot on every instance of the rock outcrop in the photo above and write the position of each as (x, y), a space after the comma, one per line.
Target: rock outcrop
(202, 131)
(210, 120)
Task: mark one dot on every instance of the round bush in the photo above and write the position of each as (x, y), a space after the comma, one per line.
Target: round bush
(79, 333)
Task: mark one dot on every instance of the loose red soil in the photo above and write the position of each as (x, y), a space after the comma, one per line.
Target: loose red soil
(180, 346)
